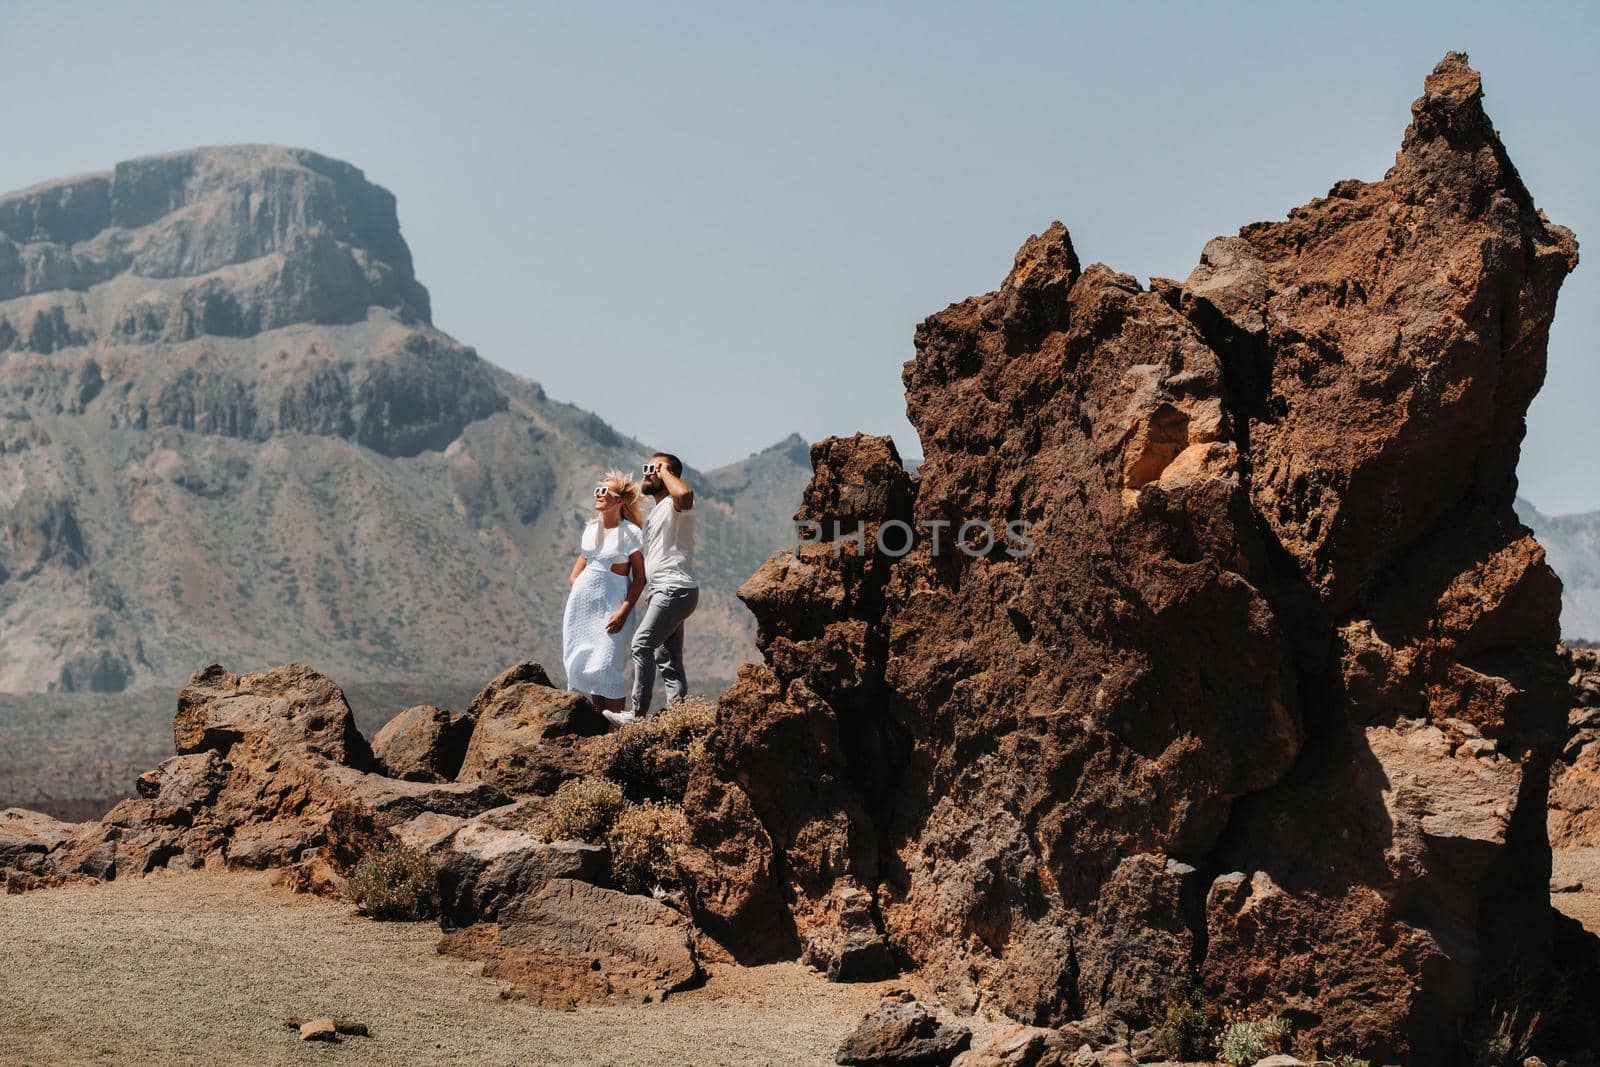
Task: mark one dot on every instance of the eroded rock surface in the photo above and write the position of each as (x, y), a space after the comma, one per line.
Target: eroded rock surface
(1265, 699)
(1575, 779)
(264, 761)
(901, 1031)
(424, 743)
(527, 736)
(572, 943)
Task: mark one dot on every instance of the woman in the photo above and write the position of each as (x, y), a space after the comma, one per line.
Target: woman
(604, 585)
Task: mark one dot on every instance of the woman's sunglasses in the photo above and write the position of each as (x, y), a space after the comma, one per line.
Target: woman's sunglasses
(601, 491)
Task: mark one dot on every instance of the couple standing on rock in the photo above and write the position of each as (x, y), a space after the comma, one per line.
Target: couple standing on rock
(617, 559)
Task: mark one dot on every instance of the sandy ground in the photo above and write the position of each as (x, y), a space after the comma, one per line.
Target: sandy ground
(1578, 865)
(204, 968)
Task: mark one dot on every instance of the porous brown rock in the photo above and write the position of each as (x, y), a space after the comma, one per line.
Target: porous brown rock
(1021, 1046)
(484, 868)
(288, 707)
(265, 762)
(527, 736)
(423, 743)
(1252, 683)
(572, 944)
(27, 838)
(902, 1032)
(319, 1029)
(1574, 820)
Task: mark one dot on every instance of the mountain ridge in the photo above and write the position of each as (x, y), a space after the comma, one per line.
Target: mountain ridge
(229, 429)
(1572, 543)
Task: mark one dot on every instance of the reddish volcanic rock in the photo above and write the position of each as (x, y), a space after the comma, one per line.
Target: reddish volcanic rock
(288, 706)
(1264, 698)
(903, 1032)
(572, 943)
(424, 744)
(528, 735)
(265, 761)
(1574, 819)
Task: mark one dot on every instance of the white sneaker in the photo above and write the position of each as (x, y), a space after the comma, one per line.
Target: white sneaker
(619, 718)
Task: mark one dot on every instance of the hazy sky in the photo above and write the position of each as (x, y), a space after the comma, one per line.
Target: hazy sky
(717, 224)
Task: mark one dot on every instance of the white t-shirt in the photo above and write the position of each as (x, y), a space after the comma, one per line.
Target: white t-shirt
(669, 546)
(602, 547)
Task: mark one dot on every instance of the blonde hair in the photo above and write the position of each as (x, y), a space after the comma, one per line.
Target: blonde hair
(624, 487)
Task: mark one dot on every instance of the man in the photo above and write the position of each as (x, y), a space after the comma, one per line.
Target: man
(670, 594)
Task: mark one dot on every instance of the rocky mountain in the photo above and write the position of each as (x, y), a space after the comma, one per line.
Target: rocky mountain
(1572, 543)
(229, 431)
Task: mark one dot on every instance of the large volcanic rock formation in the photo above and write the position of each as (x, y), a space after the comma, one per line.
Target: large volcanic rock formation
(229, 430)
(1269, 708)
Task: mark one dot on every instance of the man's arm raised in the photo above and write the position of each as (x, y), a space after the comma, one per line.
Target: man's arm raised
(681, 492)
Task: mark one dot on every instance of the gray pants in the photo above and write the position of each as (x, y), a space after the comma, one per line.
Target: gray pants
(659, 642)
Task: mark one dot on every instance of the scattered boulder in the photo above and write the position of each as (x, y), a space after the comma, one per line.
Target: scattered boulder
(572, 944)
(527, 734)
(264, 762)
(26, 833)
(27, 839)
(901, 1031)
(349, 1027)
(1021, 1046)
(393, 800)
(319, 1029)
(483, 869)
(184, 783)
(288, 707)
(848, 946)
(423, 744)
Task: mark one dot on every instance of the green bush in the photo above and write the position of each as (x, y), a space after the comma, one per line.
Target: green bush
(1189, 1030)
(394, 882)
(1248, 1040)
(646, 840)
(583, 809)
(652, 758)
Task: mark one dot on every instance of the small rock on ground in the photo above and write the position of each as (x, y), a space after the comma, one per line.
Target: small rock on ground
(319, 1030)
(901, 1031)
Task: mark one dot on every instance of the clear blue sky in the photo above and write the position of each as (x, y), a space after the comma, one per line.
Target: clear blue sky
(718, 223)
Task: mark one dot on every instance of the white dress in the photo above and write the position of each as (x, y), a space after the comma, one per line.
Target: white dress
(593, 658)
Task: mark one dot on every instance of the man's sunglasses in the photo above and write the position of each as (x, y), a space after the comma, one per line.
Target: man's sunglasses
(654, 468)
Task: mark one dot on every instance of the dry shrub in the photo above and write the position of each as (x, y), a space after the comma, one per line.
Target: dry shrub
(395, 882)
(583, 809)
(1189, 1032)
(351, 835)
(652, 759)
(646, 840)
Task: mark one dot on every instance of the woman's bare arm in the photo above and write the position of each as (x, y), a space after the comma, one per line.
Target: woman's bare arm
(577, 569)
